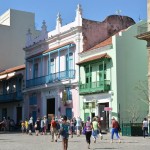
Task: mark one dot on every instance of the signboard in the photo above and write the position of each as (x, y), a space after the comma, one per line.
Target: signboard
(107, 108)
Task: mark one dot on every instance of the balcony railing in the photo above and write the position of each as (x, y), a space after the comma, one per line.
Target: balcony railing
(70, 74)
(11, 97)
(143, 28)
(94, 87)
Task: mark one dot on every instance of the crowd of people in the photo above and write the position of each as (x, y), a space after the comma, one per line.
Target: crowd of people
(64, 127)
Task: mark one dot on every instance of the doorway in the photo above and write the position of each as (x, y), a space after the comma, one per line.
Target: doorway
(104, 116)
(51, 106)
(19, 115)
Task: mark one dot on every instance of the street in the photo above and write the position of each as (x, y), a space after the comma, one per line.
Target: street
(19, 141)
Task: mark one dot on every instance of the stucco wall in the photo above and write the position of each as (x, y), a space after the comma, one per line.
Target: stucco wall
(131, 68)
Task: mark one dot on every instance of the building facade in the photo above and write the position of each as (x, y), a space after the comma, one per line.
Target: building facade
(51, 70)
(11, 96)
(109, 74)
(13, 27)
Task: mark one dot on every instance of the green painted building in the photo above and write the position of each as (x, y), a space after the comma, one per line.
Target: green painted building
(109, 74)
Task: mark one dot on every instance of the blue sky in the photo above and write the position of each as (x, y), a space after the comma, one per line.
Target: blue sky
(92, 9)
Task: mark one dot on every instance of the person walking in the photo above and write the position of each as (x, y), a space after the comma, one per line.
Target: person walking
(37, 126)
(53, 129)
(26, 126)
(30, 125)
(88, 131)
(145, 127)
(94, 128)
(64, 132)
(114, 129)
(45, 125)
(72, 127)
(78, 125)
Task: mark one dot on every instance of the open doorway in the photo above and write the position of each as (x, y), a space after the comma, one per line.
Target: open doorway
(51, 106)
(19, 115)
(104, 116)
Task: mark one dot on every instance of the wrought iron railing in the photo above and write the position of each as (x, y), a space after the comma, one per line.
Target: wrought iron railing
(98, 86)
(11, 97)
(68, 74)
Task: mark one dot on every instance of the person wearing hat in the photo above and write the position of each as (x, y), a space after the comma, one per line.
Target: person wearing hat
(114, 129)
(88, 131)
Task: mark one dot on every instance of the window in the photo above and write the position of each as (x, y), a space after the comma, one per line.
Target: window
(88, 74)
(102, 72)
(69, 93)
(69, 61)
(35, 75)
(52, 69)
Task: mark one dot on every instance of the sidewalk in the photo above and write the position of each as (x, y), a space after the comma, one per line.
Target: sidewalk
(17, 141)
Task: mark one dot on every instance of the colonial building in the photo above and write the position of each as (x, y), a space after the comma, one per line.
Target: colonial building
(109, 73)
(51, 70)
(144, 34)
(13, 27)
(11, 97)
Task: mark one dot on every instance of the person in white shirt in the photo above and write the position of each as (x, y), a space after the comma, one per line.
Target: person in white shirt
(145, 127)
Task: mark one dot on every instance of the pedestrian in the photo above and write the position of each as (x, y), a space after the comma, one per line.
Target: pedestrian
(78, 125)
(99, 127)
(37, 126)
(45, 125)
(30, 125)
(26, 125)
(64, 132)
(72, 127)
(115, 126)
(53, 129)
(88, 132)
(145, 127)
(94, 128)
(22, 126)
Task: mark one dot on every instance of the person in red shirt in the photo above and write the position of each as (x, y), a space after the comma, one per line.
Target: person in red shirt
(115, 126)
(54, 130)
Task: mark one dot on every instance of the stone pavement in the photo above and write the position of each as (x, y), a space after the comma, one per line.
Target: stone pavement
(19, 141)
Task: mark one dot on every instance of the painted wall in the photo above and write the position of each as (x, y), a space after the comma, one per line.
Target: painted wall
(131, 57)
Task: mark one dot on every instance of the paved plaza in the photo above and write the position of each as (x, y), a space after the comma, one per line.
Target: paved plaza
(18, 141)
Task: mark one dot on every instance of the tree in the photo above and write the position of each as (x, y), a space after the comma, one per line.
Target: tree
(142, 92)
(133, 111)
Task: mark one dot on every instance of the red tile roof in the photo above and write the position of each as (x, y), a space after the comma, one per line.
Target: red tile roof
(105, 55)
(13, 69)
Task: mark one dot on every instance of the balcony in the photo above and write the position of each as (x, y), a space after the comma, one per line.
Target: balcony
(143, 31)
(11, 97)
(94, 87)
(70, 74)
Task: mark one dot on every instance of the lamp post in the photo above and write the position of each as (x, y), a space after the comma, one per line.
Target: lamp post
(110, 114)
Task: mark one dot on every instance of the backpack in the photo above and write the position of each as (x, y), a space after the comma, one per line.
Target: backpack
(57, 126)
(53, 123)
